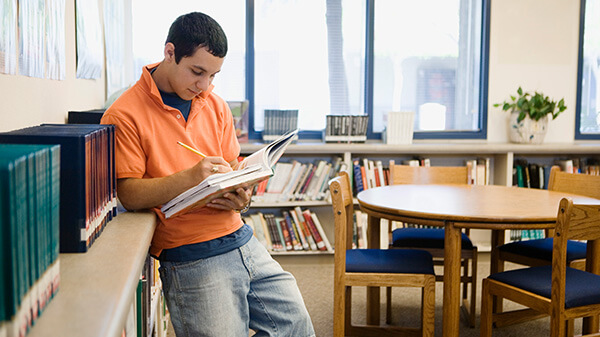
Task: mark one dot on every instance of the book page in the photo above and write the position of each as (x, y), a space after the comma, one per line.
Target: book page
(270, 154)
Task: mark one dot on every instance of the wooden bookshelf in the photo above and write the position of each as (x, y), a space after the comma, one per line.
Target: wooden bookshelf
(98, 287)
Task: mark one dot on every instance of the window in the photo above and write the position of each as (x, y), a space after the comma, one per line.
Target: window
(308, 56)
(427, 59)
(344, 57)
(587, 121)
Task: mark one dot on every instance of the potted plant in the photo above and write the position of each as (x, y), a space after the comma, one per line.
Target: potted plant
(528, 121)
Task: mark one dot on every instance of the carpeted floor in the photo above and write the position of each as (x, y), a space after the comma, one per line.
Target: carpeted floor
(314, 275)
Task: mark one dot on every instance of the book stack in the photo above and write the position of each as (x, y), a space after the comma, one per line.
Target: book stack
(278, 122)
(295, 230)
(29, 233)
(296, 181)
(346, 128)
(88, 197)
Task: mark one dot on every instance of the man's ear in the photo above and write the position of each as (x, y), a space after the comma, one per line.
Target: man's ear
(169, 52)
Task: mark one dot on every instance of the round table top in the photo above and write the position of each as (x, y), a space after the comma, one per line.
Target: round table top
(467, 203)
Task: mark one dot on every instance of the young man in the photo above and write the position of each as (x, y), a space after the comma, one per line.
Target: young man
(218, 280)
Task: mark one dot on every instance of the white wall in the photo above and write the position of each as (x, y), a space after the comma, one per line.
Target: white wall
(28, 101)
(533, 43)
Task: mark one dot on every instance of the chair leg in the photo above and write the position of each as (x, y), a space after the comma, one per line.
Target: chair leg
(388, 305)
(570, 329)
(339, 311)
(486, 310)
(473, 289)
(428, 308)
(558, 327)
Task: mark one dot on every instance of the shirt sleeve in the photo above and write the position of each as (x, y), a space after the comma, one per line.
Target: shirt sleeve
(130, 159)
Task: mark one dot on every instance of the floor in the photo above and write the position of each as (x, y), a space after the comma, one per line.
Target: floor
(314, 275)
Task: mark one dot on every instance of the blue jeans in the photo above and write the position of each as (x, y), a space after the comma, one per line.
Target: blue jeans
(227, 294)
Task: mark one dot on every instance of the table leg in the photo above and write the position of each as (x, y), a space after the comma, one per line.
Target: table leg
(451, 312)
(373, 293)
(592, 324)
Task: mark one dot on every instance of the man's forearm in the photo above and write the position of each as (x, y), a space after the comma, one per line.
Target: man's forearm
(138, 193)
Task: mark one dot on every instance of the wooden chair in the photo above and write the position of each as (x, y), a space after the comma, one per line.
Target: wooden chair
(538, 252)
(432, 239)
(375, 268)
(555, 290)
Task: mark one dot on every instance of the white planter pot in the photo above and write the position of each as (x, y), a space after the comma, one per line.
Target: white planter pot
(527, 131)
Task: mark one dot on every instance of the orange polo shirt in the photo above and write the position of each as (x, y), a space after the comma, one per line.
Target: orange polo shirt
(147, 132)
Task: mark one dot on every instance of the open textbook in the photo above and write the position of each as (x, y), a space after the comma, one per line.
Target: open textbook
(253, 169)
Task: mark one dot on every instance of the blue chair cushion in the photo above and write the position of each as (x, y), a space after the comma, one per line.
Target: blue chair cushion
(542, 249)
(405, 261)
(424, 238)
(582, 288)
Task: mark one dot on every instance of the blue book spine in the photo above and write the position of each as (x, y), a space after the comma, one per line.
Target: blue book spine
(357, 176)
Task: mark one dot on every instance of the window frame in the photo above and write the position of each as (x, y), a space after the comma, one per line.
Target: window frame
(369, 80)
(578, 102)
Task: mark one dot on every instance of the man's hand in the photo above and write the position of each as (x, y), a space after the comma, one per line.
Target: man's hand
(236, 201)
(141, 193)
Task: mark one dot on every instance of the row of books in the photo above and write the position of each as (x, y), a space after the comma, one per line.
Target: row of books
(579, 165)
(296, 181)
(346, 128)
(369, 173)
(295, 230)
(277, 122)
(88, 198)
(29, 233)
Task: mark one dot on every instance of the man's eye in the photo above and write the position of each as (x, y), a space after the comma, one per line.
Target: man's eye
(197, 73)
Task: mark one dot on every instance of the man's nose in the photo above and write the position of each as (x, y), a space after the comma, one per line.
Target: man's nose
(203, 83)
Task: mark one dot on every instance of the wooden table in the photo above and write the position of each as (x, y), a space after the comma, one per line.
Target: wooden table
(497, 208)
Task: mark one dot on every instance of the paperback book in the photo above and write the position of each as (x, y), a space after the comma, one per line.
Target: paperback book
(253, 169)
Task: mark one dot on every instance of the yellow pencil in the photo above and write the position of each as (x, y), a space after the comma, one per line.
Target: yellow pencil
(192, 149)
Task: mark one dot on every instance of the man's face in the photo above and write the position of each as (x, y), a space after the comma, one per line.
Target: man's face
(193, 74)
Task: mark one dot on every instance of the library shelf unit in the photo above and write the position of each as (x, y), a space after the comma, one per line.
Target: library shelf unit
(97, 288)
(450, 153)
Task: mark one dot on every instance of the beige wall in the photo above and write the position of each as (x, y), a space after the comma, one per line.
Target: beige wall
(533, 43)
(28, 101)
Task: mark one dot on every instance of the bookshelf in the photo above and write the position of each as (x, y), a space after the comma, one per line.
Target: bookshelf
(98, 287)
(501, 155)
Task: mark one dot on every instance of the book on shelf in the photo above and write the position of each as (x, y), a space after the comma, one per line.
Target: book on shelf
(296, 230)
(253, 169)
(278, 122)
(239, 111)
(86, 176)
(29, 235)
(346, 128)
(296, 181)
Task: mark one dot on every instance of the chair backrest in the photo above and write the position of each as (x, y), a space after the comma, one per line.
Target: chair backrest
(404, 174)
(574, 222)
(343, 214)
(582, 184)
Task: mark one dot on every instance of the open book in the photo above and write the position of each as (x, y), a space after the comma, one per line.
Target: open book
(253, 169)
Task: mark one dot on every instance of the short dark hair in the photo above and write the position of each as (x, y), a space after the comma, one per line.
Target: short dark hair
(193, 30)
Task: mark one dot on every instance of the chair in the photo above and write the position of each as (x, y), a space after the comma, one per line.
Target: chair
(374, 268)
(555, 290)
(538, 252)
(432, 239)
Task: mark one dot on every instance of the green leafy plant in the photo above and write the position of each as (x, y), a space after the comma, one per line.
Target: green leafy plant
(535, 106)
